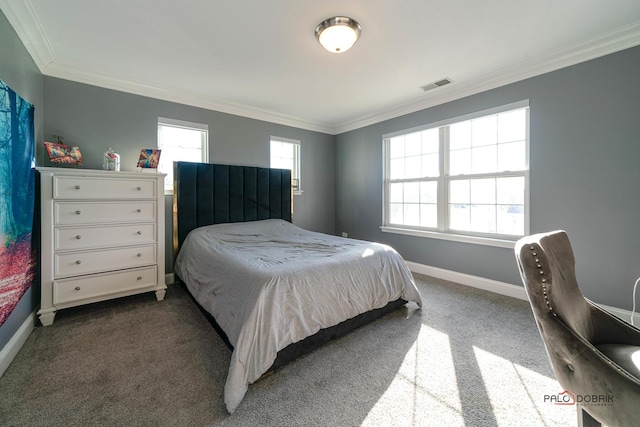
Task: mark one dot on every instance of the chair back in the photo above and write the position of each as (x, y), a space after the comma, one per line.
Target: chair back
(547, 267)
(587, 346)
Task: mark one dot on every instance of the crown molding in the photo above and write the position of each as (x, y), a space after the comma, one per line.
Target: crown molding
(98, 78)
(24, 20)
(611, 42)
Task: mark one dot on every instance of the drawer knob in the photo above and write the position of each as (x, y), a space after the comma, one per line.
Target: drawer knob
(77, 187)
(78, 262)
(77, 288)
(139, 277)
(139, 255)
(78, 237)
(139, 188)
(139, 233)
(78, 212)
(138, 210)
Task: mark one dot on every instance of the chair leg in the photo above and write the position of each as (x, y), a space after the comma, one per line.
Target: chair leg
(585, 419)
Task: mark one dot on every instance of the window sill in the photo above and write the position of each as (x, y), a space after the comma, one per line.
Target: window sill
(486, 241)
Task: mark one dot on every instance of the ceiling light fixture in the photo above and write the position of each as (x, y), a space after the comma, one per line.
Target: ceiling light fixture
(338, 34)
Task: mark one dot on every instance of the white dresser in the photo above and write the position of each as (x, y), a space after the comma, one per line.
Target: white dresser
(102, 236)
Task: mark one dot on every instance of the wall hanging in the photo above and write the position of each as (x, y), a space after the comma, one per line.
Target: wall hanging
(17, 192)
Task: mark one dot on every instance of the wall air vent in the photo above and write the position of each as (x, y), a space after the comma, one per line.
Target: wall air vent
(437, 84)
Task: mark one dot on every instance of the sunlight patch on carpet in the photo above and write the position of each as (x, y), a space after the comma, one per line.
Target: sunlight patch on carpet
(517, 393)
(422, 392)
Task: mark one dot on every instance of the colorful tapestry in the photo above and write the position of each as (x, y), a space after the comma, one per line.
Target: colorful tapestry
(17, 193)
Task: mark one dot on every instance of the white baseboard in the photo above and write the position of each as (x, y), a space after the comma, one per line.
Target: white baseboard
(495, 286)
(16, 342)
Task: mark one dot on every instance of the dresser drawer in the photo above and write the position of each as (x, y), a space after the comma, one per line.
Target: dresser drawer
(73, 238)
(76, 263)
(86, 287)
(83, 187)
(74, 213)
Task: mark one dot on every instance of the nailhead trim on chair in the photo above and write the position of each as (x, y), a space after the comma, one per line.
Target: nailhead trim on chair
(544, 279)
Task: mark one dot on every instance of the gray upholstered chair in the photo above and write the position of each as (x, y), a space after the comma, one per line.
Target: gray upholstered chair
(594, 355)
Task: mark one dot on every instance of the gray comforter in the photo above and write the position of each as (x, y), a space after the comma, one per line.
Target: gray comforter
(270, 283)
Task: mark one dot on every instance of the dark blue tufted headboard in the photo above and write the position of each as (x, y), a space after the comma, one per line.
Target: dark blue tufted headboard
(205, 194)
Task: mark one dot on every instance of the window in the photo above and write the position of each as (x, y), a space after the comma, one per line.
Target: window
(180, 141)
(461, 177)
(285, 154)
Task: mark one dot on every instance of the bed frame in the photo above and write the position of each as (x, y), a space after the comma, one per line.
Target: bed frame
(206, 194)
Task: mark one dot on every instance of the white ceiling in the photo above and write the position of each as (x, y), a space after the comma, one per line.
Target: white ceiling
(260, 58)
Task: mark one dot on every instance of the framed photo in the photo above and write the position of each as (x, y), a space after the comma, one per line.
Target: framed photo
(63, 153)
(149, 158)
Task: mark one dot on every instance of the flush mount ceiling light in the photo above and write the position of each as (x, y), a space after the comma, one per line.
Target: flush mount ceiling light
(338, 34)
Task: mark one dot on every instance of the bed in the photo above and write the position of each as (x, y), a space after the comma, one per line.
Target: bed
(272, 289)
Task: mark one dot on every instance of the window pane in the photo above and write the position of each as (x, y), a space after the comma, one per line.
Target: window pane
(413, 144)
(428, 215)
(430, 165)
(396, 168)
(484, 159)
(510, 190)
(429, 192)
(511, 156)
(512, 126)
(483, 218)
(395, 213)
(431, 141)
(413, 167)
(483, 191)
(396, 147)
(460, 135)
(282, 155)
(181, 137)
(412, 192)
(511, 219)
(395, 192)
(484, 131)
(459, 217)
(282, 150)
(460, 162)
(412, 215)
(459, 191)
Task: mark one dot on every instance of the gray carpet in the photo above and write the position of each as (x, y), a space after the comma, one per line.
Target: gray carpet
(468, 358)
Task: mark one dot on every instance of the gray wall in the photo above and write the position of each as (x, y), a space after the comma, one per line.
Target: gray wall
(20, 73)
(584, 166)
(95, 119)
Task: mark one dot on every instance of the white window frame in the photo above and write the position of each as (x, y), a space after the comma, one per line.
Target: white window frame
(204, 143)
(442, 230)
(295, 172)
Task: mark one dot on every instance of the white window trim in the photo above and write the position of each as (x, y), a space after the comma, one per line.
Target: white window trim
(478, 240)
(441, 234)
(164, 121)
(182, 124)
(296, 160)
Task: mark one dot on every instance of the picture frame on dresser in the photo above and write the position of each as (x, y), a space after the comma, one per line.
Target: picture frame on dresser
(102, 237)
